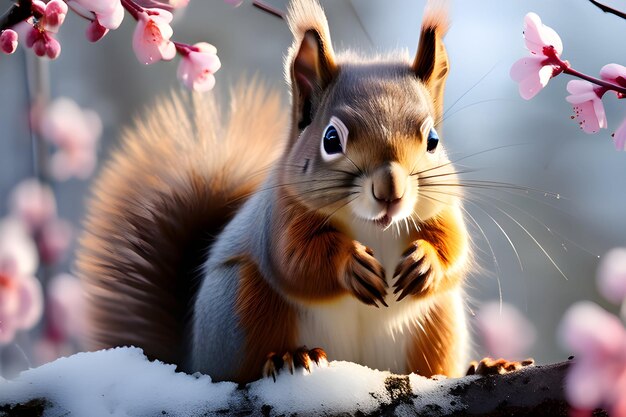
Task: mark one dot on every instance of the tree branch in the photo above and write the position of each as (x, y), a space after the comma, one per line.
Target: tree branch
(18, 12)
(259, 4)
(534, 390)
(607, 9)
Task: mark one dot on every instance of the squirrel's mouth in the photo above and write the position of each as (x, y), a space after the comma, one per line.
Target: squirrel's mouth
(384, 221)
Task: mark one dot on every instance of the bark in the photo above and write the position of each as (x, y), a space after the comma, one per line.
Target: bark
(17, 13)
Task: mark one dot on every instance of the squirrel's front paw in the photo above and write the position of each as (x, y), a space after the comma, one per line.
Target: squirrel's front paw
(364, 277)
(419, 270)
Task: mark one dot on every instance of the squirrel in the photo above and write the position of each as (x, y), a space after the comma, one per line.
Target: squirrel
(226, 243)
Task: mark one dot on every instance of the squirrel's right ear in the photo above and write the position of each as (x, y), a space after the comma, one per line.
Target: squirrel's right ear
(431, 61)
(311, 60)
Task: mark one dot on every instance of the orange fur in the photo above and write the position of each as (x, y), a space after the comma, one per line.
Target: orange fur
(179, 176)
(446, 232)
(268, 322)
(309, 255)
(435, 349)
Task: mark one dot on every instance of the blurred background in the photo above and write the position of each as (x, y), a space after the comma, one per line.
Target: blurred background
(532, 144)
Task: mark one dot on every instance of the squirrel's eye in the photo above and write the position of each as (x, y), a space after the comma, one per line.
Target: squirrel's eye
(332, 142)
(433, 141)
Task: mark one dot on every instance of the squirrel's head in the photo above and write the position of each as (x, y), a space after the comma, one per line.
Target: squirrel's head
(364, 140)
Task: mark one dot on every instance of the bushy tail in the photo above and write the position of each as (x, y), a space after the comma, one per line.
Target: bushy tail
(178, 178)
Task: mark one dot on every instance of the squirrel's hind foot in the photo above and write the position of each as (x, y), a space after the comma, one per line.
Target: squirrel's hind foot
(490, 366)
(300, 358)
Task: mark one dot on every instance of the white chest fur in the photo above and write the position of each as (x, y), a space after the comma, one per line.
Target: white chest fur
(350, 330)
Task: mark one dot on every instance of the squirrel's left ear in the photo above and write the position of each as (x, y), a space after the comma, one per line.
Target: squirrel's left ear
(431, 61)
(311, 60)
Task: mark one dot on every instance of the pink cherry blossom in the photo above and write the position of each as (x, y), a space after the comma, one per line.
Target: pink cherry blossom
(54, 15)
(505, 332)
(16, 244)
(54, 239)
(533, 72)
(21, 300)
(20, 303)
(65, 319)
(151, 40)
(109, 13)
(616, 74)
(95, 31)
(43, 43)
(66, 308)
(612, 276)
(597, 377)
(33, 203)
(196, 69)
(586, 98)
(73, 162)
(619, 137)
(8, 41)
(76, 133)
(40, 35)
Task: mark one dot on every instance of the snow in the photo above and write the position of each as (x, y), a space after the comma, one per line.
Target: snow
(117, 382)
(123, 382)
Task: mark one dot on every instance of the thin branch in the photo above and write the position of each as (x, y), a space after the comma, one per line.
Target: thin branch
(561, 66)
(597, 81)
(18, 12)
(259, 4)
(607, 9)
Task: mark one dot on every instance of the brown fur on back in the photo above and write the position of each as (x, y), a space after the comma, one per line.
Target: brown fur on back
(178, 178)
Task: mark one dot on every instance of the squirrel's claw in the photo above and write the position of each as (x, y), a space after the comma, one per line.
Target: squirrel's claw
(364, 277)
(489, 366)
(272, 366)
(417, 272)
(300, 358)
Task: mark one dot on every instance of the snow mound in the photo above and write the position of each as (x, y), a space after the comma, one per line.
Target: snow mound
(123, 382)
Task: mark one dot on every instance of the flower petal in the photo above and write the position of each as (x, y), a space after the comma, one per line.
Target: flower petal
(589, 331)
(529, 73)
(588, 106)
(17, 247)
(614, 73)
(537, 35)
(580, 87)
(31, 303)
(586, 385)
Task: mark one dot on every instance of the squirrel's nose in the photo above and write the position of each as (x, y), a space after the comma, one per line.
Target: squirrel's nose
(389, 184)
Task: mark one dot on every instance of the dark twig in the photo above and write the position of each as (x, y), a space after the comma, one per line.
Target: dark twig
(607, 9)
(269, 9)
(18, 12)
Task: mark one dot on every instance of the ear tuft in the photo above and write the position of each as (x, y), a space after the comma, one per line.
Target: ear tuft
(431, 61)
(310, 65)
(304, 15)
(436, 16)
